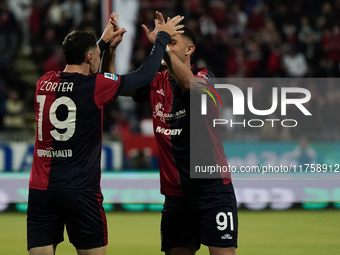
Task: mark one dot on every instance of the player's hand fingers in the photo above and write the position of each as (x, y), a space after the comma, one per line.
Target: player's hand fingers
(116, 16)
(113, 22)
(177, 19)
(157, 23)
(122, 31)
(179, 27)
(145, 28)
(160, 17)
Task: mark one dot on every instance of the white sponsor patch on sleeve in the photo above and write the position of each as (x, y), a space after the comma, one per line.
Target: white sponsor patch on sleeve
(111, 76)
(203, 75)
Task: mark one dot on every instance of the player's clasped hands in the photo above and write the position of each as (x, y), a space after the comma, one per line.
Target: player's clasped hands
(113, 34)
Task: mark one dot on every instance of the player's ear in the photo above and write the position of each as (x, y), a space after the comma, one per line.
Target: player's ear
(190, 50)
(89, 57)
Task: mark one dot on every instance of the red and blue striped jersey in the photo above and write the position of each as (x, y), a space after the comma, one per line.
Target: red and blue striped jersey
(69, 116)
(171, 111)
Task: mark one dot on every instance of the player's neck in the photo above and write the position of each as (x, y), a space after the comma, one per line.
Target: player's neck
(82, 69)
(187, 63)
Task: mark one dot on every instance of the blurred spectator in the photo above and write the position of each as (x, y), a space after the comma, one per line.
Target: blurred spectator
(9, 38)
(256, 19)
(55, 62)
(55, 13)
(304, 153)
(273, 66)
(89, 23)
(220, 12)
(331, 44)
(36, 21)
(305, 29)
(140, 159)
(238, 20)
(311, 48)
(327, 13)
(73, 12)
(45, 48)
(14, 107)
(21, 10)
(207, 24)
(294, 63)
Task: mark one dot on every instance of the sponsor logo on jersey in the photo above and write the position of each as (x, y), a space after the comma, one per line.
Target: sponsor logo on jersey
(167, 131)
(54, 153)
(227, 236)
(111, 76)
(203, 75)
(161, 91)
(159, 112)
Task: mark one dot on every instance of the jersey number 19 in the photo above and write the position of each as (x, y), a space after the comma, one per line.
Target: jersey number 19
(69, 123)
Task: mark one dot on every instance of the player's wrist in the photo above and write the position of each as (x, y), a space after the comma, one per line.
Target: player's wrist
(102, 44)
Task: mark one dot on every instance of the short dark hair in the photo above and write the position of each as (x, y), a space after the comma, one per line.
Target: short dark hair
(189, 34)
(76, 44)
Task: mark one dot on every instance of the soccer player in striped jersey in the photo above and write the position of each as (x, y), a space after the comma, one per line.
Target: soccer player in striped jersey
(196, 211)
(64, 186)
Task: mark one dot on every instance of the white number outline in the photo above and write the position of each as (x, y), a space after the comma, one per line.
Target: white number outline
(222, 225)
(69, 123)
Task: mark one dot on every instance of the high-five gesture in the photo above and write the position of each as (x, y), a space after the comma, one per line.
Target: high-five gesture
(171, 27)
(113, 34)
(118, 32)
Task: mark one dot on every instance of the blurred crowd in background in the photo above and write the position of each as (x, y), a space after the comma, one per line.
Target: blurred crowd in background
(236, 39)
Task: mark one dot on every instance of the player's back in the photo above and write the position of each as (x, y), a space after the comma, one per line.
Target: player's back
(68, 141)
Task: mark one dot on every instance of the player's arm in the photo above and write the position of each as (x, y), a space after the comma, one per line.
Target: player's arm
(108, 58)
(148, 69)
(182, 74)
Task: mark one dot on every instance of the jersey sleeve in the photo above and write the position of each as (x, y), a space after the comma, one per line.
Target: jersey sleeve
(106, 88)
(205, 74)
(143, 93)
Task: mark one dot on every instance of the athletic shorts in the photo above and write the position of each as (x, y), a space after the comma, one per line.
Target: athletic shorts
(207, 219)
(81, 212)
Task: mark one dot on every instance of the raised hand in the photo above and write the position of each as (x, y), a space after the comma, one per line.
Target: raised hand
(172, 27)
(151, 35)
(108, 32)
(169, 28)
(113, 34)
(118, 32)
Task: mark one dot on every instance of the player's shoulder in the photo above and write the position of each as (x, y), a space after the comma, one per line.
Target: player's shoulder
(48, 76)
(202, 72)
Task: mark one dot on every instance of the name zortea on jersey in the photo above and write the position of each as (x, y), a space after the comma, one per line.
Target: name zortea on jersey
(57, 87)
